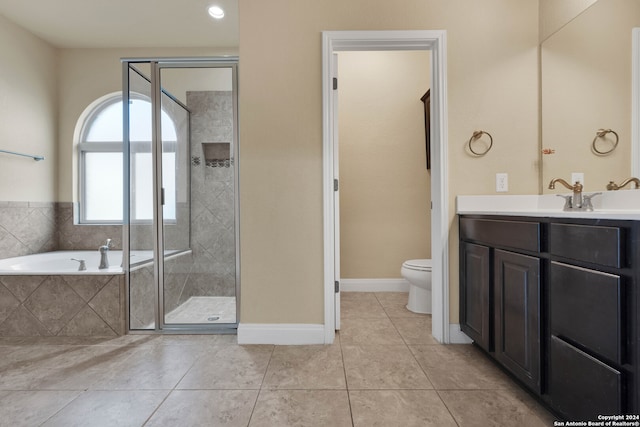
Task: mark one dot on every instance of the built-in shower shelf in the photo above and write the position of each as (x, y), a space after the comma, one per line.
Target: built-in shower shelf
(217, 154)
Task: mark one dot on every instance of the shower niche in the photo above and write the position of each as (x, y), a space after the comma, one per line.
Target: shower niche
(217, 154)
(190, 282)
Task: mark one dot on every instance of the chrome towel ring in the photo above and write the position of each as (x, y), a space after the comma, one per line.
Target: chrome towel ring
(601, 133)
(477, 135)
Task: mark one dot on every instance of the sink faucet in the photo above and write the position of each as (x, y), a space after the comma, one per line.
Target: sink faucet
(104, 249)
(576, 199)
(613, 186)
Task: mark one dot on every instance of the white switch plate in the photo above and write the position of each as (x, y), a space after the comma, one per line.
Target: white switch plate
(577, 177)
(502, 182)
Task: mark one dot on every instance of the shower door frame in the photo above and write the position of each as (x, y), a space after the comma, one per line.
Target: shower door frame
(156, 65)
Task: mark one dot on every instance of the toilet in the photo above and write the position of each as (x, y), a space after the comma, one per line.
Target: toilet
(418, 273)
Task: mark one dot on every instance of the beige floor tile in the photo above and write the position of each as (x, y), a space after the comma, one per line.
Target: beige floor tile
(31, 408)
(202, 340)
(534, 405)
(455, 367)
(229, 367)
(414, 330)
(150, 368)
(358, 296)
(229, 408)
(369, 331)
(306, 367)
(486, 408)
(108, 408)
(15, 357)
(388, 299)
(66, 368)
(309, 408)
(382, 367)
(363, 305)
(407, 408)
(401, 310)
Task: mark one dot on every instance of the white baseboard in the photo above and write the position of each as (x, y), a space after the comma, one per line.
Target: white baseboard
(456, 336)
(374, 285)
(280, 333)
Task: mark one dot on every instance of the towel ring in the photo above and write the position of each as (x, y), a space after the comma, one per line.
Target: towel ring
(476, 135)
(601, 133)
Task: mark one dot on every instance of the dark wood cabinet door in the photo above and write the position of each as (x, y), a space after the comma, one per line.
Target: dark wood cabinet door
(475, 301)
(517, 315)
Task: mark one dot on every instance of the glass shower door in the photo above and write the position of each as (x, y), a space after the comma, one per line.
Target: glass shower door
(200, 287)
(181, 217)
(139, 228)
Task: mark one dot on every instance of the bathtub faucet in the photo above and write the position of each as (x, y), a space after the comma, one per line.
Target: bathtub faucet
(104, 249)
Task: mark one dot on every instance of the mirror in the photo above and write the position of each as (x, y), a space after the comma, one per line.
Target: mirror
(586, 86)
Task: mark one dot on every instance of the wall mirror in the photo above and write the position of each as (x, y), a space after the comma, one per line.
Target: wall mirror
(586, 85)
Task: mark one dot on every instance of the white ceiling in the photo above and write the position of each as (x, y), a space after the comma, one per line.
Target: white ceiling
(126, 23)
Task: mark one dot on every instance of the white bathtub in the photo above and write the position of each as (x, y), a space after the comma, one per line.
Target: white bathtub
(59, 262)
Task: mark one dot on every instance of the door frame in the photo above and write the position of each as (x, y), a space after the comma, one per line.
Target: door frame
(436, 42)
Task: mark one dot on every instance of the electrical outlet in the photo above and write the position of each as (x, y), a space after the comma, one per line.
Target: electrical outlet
(577, 177)
(502, 182)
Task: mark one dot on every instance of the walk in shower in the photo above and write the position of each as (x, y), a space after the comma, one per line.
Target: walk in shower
(181, 213)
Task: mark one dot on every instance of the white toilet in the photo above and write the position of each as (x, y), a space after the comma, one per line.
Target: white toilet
(418, 273)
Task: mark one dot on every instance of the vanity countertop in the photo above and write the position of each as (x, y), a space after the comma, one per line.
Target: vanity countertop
(623, 205)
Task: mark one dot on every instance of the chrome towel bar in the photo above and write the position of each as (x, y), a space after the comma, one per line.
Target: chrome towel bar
(36, 158)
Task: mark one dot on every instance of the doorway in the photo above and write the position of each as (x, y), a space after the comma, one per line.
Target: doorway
(181, 255)
(434, 41)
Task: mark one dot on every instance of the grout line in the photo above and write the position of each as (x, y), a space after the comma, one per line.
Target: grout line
(346, 383)
(255, 404)
(455, 420)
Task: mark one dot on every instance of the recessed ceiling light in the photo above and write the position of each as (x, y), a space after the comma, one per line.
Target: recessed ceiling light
(216, 12)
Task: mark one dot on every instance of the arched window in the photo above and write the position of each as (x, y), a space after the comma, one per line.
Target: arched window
(101, 176)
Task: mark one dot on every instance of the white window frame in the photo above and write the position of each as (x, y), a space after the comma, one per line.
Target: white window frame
(84, 147)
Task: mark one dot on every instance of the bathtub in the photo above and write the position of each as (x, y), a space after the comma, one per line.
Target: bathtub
(60, 263)
(45, 295)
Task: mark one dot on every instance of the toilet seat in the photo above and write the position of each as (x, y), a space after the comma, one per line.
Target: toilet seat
(418, 264)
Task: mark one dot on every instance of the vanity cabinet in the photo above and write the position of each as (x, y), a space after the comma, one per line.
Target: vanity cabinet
(476, 311)
(589, 313)
(500, 292)
(553, 301)
(517, 315)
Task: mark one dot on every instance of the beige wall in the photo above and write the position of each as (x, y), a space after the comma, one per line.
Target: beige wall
(28, 97)
(586, 86)
(385, 216)
(492, 83)
(555, 14)
(86, 75)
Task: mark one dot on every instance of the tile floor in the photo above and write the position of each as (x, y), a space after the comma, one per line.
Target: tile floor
(383, 370)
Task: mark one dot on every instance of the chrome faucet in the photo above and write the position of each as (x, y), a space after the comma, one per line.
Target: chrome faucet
(613, 186)
(104, 260)
(82, 266)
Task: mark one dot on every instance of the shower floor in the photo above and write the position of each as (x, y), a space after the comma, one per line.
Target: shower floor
(204, 310)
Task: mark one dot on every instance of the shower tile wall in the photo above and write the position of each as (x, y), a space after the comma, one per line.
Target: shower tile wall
(34, 227)
(212, 199)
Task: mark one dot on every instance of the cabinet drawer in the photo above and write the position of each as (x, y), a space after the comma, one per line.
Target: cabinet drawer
(512, 234)
(580, 386)
(588, 243)
(586, 308)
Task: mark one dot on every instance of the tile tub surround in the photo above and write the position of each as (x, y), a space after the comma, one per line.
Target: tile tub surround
(169, 380)
(33, 227)
(62, 305)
